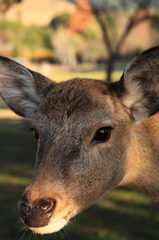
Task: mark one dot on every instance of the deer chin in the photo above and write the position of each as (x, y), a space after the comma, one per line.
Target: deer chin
(54, 225)
(51, 227)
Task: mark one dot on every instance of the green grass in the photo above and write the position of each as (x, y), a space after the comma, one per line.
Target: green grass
(121, 215)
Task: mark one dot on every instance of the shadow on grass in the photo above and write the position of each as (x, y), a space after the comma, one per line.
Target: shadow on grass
(122, 215)
(114, 224)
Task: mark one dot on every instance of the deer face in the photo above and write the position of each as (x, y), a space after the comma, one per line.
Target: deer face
(85, 132)
(79, 153)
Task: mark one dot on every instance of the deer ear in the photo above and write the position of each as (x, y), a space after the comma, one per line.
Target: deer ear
(21, 88)
(138, 88)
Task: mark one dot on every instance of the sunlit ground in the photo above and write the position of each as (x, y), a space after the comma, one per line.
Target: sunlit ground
(100, 75)
(121, 215)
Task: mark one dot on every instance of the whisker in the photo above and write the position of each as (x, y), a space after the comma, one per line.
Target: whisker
(66, 232)
(31, 233)
(23, 234)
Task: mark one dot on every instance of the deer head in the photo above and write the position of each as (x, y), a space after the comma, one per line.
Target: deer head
(92, 136)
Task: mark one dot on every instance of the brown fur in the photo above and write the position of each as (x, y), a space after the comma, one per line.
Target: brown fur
(73, 170)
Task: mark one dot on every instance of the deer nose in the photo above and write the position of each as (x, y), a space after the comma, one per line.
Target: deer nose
(37, 215)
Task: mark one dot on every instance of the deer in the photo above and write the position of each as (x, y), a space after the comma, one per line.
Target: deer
(92, 136)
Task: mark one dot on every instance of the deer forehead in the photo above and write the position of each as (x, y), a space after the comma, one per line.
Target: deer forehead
(78, 98)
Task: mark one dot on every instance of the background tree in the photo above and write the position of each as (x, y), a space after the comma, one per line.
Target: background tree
(71, 45)
(5, 4)
(105, 13)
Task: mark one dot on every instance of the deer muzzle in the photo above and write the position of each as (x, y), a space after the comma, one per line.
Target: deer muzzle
(37, 215)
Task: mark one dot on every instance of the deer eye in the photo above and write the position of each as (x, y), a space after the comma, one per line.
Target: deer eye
(35, 133)
(102, 135)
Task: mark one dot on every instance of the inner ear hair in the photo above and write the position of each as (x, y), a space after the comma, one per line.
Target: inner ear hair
(22, 89)
(139, 85)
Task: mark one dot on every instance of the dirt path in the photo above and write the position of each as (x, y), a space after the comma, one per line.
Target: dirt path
(8, 114)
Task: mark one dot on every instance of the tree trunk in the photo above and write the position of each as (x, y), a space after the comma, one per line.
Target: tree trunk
(110, 67)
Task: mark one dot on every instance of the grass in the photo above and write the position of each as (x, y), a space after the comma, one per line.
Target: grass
(121, 215)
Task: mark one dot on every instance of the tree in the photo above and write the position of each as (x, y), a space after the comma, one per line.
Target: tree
(6, 4)
(104, 12)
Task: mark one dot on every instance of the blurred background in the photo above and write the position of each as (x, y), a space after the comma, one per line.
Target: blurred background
(63, 39)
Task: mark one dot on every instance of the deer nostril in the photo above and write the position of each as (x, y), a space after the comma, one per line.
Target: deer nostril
(37, 215)
(25, 208)
(44, 207)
